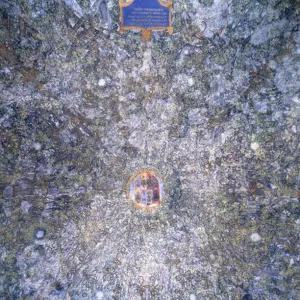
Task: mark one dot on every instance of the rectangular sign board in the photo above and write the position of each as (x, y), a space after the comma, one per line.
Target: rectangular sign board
(146, 15)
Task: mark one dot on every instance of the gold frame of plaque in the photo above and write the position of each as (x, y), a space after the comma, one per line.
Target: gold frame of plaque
(146, 33)
(155, 186)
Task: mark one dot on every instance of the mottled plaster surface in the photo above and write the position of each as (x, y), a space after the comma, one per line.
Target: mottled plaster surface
(215, 108)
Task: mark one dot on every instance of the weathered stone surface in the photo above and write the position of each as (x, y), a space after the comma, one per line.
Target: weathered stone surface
(8, 192)
(214, 108)
(255, 237)
(25, 206)
(40, 234)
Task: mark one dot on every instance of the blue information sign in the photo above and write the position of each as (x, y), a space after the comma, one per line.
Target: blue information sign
(146, 15)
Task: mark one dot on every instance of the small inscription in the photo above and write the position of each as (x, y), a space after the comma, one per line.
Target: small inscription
(146, 189)
(146, 15)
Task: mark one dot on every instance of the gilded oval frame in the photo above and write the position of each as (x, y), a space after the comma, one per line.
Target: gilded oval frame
(143, 206)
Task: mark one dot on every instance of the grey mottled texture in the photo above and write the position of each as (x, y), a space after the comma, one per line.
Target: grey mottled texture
(215, 108)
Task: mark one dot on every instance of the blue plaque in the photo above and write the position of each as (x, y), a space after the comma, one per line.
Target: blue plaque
(146, 15)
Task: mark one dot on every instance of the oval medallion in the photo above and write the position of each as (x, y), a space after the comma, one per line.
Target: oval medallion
(146, 189)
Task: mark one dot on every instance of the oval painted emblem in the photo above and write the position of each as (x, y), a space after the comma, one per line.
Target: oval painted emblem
(146, 189)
